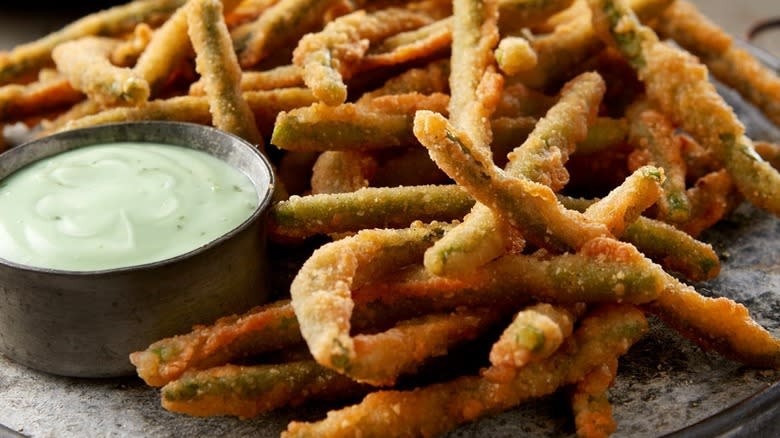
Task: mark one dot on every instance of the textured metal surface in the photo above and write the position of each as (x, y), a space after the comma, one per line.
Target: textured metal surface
(86, 323)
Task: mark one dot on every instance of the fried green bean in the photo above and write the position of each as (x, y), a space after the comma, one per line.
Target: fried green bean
(279, 77)
(508, 131)
(699, 161)
(348, 126)
(86, 64)
(263, 329)
(430, 79)
(322, 298)
(678, 84)
(481, 237)
(248, 391)
(519, 100)
(516, 14)
(341, 172)
(559, 52)
(590, 403)
(732, 65)
(27, 59)
(386, 207)
(514, 54)
(19, 101)
(604, 270)
(406, 103)
(571, 44)
(577, 8)
(436, 409)
(128, 51)
(365, 126)
(734, 334)
(264, 104)
(267, 328)
(410, 45)
(711, 198)
(80, 110)
(604, 133)
(529, 206)
(534, 334)
(345, 127)
(438, 35)
(666, 245)
(169, 46)
(267, 105)
(280, 25)
(331, 55)
(473, 91)
(623, 205)
(379, 359)
(247, 10)
(437, 9)
(216, 62)
(674, 250)
(541, 158)
(769, 152)
(656, 143)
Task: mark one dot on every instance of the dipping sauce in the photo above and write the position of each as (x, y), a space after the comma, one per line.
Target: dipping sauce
(118, 205)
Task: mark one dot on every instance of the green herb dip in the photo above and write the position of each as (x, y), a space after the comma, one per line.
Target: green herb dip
(120, 204)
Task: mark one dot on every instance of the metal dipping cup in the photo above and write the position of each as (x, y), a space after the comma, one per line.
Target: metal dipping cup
(86, 323)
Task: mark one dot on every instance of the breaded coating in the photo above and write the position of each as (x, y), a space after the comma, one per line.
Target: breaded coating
(332, 55)
(590, 403)
(371, 207)
(540, 158)
(515, 54)
(26, 59)
(731, 64)
(285, 76)
(529, 206)
(19, 101)
(217, 64)
(656, 143)
(534, 334)
(87, 65)
(603, 336)
(679, 85)
(248, 391)
(281, 24)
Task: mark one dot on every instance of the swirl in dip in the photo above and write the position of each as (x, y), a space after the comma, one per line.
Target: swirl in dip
(119, 204)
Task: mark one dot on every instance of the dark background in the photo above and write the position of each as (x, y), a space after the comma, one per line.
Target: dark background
(44, 5)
